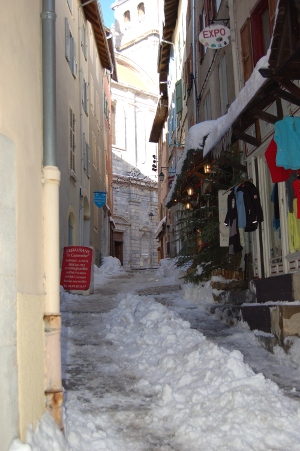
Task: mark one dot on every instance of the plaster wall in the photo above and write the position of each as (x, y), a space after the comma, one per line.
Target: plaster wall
(21, 237)
(69, 95)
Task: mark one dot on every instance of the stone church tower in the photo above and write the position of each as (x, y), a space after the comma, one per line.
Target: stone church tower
(136, 32)
(134, 100)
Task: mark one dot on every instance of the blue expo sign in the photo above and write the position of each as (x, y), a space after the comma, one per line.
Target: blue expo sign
(99, 198)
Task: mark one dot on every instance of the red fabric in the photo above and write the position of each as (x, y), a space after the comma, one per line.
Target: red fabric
(296, 186)
(278, 173)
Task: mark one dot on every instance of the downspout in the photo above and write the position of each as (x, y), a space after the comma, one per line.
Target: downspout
(51, 182)
(194, 63)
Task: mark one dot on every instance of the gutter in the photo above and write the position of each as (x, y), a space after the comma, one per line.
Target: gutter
(51, 182)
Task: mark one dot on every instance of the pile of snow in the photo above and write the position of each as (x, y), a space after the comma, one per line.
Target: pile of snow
(167, 268)
(111, 266)
(199, 294)
(194, 396)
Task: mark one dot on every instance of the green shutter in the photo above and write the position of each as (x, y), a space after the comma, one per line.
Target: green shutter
(178, 90)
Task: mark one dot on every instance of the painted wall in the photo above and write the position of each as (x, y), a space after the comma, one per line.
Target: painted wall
(69, 95)
(21, 240)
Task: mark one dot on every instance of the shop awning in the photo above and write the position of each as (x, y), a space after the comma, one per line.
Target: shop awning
(160, 227)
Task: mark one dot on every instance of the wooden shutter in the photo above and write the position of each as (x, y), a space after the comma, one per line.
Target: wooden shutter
(246, 43)
(67, 40)
(74, 62)
(272, 11)
(178, 89)
(211, 9)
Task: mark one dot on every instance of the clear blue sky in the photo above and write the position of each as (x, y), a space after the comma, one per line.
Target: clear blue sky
(107, 12)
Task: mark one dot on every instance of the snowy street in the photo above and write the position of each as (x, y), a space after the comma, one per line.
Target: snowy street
(137, 377)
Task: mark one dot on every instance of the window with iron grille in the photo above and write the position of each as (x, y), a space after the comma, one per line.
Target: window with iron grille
(72, 145)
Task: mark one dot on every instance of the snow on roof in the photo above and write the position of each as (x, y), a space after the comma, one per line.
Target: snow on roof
(159, 227)
(245, 95)
(195, 140)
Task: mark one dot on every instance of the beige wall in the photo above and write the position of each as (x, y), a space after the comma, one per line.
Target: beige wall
(21, 204)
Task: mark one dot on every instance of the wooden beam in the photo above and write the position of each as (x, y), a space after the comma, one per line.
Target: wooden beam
(263, 115)
(289, 85)
(279, 109)
(288, 97)
(247, 138)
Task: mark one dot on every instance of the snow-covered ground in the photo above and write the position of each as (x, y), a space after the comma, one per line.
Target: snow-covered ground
(138, 377)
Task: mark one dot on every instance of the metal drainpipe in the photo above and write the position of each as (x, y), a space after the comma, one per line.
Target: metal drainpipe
(194, 63)
(51, 182)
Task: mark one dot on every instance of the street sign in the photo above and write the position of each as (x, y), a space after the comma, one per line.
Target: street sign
(214, 36)
(99, 198)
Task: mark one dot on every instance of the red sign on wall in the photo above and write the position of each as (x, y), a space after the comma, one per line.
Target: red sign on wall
(76, 268)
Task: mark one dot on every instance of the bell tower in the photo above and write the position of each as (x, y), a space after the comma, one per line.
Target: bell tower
(136, 32)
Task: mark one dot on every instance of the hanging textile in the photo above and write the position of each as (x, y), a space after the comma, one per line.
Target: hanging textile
(296, 187)
(254, 213)
(231, 220)
(275, 200)
(240, 205)
(287, 138)
(293, 229)
(290, 190)
(278, 173)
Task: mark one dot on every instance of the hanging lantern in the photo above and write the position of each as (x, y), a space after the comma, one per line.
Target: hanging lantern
(207, 168)
(190, 191)
(188, 206)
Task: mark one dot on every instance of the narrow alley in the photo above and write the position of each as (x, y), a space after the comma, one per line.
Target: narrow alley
(137, 377)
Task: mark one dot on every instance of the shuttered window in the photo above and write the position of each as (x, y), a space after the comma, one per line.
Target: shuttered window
(70, 5)
(72, 145)
(178, 91)
(223, 85)
(85, 100)
(94, 151)
(207, 107)
(246, 43)
(260, 29)
(92, 94)
(86, 156)
(272, 11)
(83, 38)
(70, 49)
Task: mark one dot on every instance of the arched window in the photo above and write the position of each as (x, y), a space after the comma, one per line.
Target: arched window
(71, 230)
(127, 20)
(141, 11)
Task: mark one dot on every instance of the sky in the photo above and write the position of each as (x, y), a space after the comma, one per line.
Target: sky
(140, 378)
(107, 12)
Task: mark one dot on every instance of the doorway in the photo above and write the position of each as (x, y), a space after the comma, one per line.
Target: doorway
(119, 251)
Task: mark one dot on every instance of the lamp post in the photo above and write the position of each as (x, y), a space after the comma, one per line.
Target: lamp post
(151, 216)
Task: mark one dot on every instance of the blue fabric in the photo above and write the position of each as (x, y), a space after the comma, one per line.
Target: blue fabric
(287, 138)
(240, 205)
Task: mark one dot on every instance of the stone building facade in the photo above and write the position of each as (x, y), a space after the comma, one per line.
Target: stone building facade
(134, 99)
